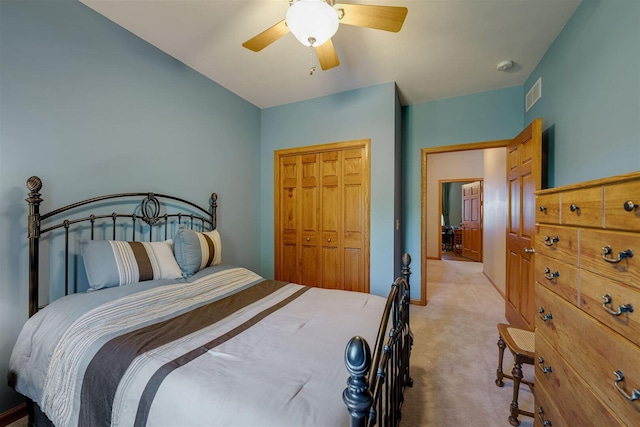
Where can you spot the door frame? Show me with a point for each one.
(424, 152)
(464, 181)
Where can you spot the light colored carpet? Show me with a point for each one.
(455, 355)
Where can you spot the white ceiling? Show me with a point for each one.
(446, 48)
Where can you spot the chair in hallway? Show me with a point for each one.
(521, 343)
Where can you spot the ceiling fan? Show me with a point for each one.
(314, 22)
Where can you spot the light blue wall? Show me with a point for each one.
(357, 114)
(479, 117)
(93, 109)
(590, 105)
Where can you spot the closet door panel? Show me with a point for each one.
(287, 269)
(310, 273)
(331, 277)
(353, 269)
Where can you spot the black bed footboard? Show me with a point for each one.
(375, 388)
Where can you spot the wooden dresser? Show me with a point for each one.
(587, 292)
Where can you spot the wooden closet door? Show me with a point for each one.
(354, 237)
(309, 274)
(287, 256)
(331, 218)
(322, 215)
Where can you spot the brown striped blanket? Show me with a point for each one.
(229, 348)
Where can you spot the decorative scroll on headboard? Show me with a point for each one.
(159, 212)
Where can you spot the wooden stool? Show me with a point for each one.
(521, 343)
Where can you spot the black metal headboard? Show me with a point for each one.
(151, 212)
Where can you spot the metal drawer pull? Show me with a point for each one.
(550, 241)
(549, 275)
(542, 209)
(621, 255)
(329, 240)
(542, 420)
(546, 317)
(308, 239)
(627, 308)
(629, 206)
(529, 250)
(574, 208)
(635, 394)
(544, 369)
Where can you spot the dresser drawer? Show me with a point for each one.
(548, 208)
(557, 276)
(594, 350)
(594, 288)
(627, 270)
(616, 198)
(582, 207)
(577, 404)
(557, 242)
(546, 411)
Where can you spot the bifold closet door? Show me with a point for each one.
(322, 217)
(355, 226)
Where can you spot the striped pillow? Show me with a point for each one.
(112, 263)
(195, 251)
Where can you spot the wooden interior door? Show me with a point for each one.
(472, 220)
(524, 176)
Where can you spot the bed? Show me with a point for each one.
(169, 334)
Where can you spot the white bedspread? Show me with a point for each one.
(277, 361)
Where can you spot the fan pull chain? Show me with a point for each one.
(313, 67)
(312, 41)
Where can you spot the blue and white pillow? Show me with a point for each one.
(195, 250)
(112, 263)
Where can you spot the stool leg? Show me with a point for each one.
(517, 376)
(499, 373)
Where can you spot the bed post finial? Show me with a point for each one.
(357, 396)
(214, 209)
(406, 271)
(34, 185)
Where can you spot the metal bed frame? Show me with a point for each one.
(374, 392)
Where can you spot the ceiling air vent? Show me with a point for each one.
(534, 94)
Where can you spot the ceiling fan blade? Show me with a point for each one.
(327, 55)
(388, 18)
(267, 37)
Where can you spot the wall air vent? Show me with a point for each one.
(534, 94)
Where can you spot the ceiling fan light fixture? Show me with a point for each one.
(312, 22)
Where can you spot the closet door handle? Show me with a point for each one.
(629, 206)
(606, 251)
(329, 239)
(626, 308)
(635, 394)
(574, 208)
(529, 250)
